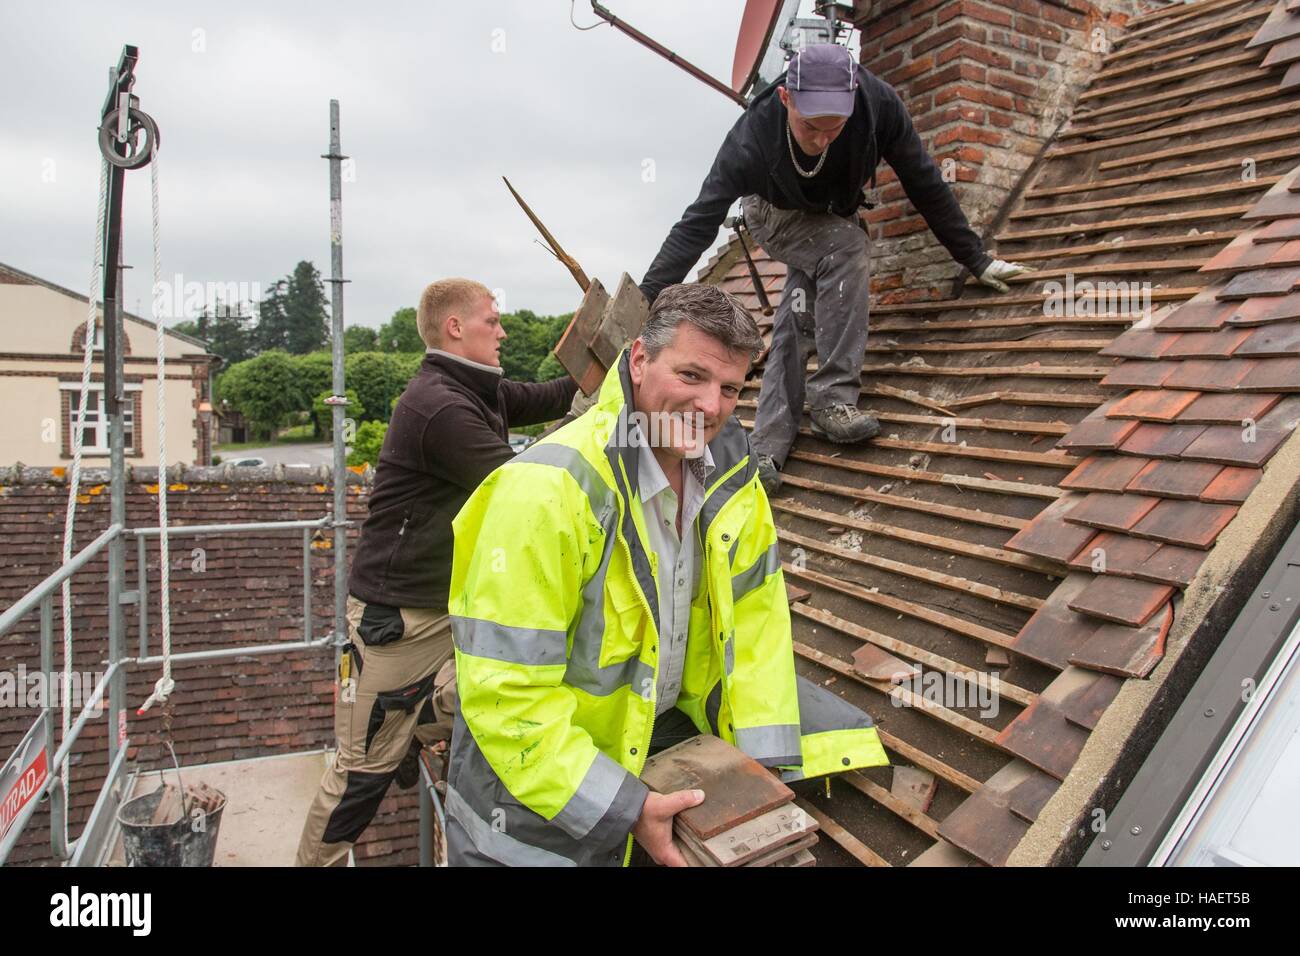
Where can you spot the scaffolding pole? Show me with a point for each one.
(338, 400)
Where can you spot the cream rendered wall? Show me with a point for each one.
(41, 321)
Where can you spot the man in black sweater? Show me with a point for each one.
(397, 676)
(800, 156)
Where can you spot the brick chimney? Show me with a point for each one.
(988, 83)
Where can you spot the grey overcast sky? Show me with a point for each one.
(439, 99)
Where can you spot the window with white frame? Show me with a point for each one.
(95, 439)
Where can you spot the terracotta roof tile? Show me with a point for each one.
(1048, 536)
(983, 825)
(1140, 344)
(1082, 696)
(1223, 408)
(1279, 230)
(1244, 285)
(1153, 404)
(1041, 736)
(1111, 553)
(1266, 310)
(1122, 600)
(1273, 374)
(1174, 479)
(1110, 512)
(1054, 631)
(1202, 312)
(1154, 440)
(1130, 374)
(1103, 473)
(1228, 445)
(1210, 375)
(1126, 651)
(1278, 340)
(1027, 799)
(1193, 524)
(1211, 345)
(1171, 565)
(1098, 434)
(1232, 486)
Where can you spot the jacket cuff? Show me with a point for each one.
(979, 265)
(606, 805)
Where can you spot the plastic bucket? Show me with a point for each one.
(187, 842)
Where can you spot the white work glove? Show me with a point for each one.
(998, 271)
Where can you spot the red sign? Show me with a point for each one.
(21, 781)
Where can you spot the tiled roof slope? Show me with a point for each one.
(1046, 484)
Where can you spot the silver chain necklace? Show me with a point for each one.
(789, 141)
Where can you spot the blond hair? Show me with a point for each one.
(441, 299)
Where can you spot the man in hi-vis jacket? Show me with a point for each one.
(615, 589)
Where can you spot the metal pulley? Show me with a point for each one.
(128, 136)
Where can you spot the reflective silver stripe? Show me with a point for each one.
(514, 645)
(497, 844)
(773, 744)
(592, 800)
(754, 576)
(599, 494)
(729, 655)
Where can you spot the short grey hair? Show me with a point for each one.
(706, 307)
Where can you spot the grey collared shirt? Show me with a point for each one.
(679, 561)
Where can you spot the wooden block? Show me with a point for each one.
(1103, 473)
(1174, 479)
(997, 658)
(1192, 524)
(914, 786)
(1101, 509)
(752, 839)
(168, 810)
(1153, 440)
(875, 664)
(794, 594)
(1126, 651)
(1122, 600)
(736, 787)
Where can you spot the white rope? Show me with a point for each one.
(162, 690)
(74, 481)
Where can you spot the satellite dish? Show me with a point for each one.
(771, 30)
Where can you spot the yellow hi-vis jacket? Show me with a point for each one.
(554, 607)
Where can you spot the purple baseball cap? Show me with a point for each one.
(823, 80)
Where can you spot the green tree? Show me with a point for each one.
(226, 329)
(367, 444)
(266, 389)
(400, 334)
(360, 338)
(307, 322)
(272, 330)
(530, 339)
(378, 378)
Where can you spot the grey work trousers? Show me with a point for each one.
(824, 309)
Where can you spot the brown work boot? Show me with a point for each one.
(845, 424)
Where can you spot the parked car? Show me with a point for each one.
(248, 462)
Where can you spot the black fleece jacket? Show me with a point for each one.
(448, 432)
(755, 159)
